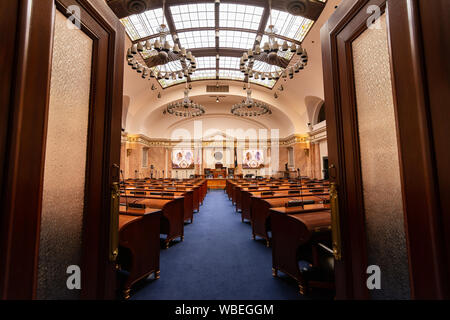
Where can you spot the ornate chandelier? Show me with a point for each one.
(268, 53)
(185, 108)
(160, 53)
(250, 107)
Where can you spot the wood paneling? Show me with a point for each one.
(418, 47)
(28, 83)
(419, 43)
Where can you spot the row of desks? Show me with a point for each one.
(294, 218)
(145, 214)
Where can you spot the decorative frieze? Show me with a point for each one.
(211, 143)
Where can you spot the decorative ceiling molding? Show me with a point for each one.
(207, 142)
(122, 8)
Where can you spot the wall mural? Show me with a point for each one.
(182, 159)
(253, 159)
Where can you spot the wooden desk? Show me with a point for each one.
(260, 217)
(136, 212)
(190, 201)
(247, 194)
(219, 173)
(139, 245)
(172, 220)
(295, 234)
(216, 183)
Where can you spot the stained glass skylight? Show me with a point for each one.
(204, 74)
(197, 39)
(261, 66)
(240, 16)
(229, 63)
(236, 39)
(290, 26)
(171, 66)
(143, 25)
(193, 15)
(231, 74)
(206, 63)
(195, 25)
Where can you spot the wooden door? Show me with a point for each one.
(379, 60)
(39, 75)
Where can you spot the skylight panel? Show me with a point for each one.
(206, 62)
(193, 15)
(229, 63)
(236, 39)
(294, 27)
(261, 66)
(143, 25)
(197, 39)
(204, 74)
(170, 66)
(240, 16)
(231, 74)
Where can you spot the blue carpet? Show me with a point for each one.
(217, 260)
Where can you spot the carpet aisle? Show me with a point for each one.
(217, 260)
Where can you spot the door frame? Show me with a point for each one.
(424, 217)
(27, 87)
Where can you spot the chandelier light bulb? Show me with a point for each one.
(157, 45)
(293, 48)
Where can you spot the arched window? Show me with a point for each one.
(322, 116)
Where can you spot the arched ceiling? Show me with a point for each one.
(217, 118)
(291, 112)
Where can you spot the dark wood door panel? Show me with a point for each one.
(23, 135)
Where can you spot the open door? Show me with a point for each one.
(60, 143)
(389, 220)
